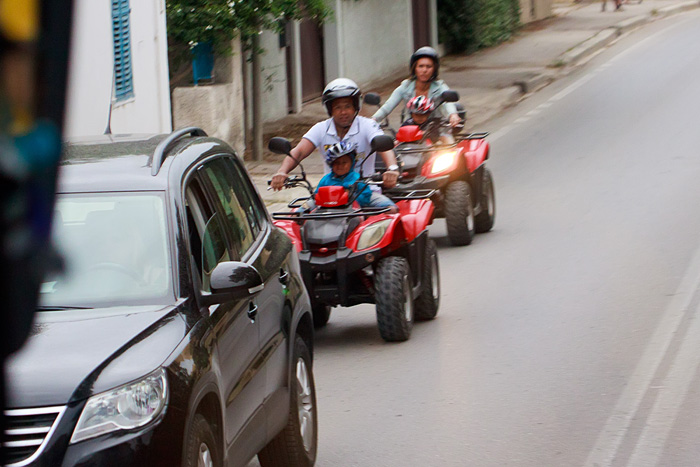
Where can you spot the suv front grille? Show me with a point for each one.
(26, 433)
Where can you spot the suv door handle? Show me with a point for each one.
(252, 311)
(284, 276)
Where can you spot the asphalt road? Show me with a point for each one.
(569, 335)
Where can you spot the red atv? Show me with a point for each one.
(464, 190)
(351, 255)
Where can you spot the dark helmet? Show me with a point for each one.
(341, 87)
(427, 52)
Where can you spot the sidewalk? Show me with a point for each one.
(493, 79)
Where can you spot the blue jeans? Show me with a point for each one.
(378, 200)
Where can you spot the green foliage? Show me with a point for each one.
(468, 25)
(219, 21)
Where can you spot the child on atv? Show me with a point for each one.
(420, 109)
(341, 158)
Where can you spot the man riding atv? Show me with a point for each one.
(342, 101)
(352, 253)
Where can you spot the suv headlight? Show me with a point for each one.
(373, 234)
(124, 408)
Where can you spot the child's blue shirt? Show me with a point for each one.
(346, 181)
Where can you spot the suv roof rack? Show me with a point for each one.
(167, 144)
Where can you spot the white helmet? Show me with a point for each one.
(341, 87)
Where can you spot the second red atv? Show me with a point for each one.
(351, 255)
(464, 189)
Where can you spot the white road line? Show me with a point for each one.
(671, 395)
(615, 430)
(572, 87)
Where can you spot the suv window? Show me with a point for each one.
(115, 246)
(232, 191)
(206, 234)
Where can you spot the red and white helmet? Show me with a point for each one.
(420, 105)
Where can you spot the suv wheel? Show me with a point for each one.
(296, 444)
(202, 450)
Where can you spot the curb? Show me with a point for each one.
(671, 10)
(590, 45)
(534, 83)
(629, 24)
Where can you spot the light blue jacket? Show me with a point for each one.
(407, 90)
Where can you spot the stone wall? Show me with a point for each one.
(217, 108)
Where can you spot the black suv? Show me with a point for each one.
(180, 332)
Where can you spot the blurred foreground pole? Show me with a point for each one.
(34, 45)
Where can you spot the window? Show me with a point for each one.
(206, 235)
(115, 247)
(230, 188)
(123, 79)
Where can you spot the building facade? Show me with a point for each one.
(118, 73)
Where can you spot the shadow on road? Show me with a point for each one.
(340, 333)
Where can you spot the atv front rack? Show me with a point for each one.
(480, 135)
(431, 148)
(399, 195)
(304, 216)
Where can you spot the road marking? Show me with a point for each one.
(671, 395)
(617, 425)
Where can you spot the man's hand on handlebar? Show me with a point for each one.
(455, 120)
(390, 177)
(278, 179)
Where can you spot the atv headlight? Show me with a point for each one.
(443, 161)
(124, 408)
(373, 234)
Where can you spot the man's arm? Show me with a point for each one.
(390, 177)
(300, 152)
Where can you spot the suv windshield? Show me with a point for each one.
(115, 250)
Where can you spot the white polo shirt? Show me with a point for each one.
(323, 135)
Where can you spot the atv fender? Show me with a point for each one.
(292, 230)
(416, 215)
(475, 152)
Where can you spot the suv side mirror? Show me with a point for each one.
(236, 278)
(449, 96)
(372, 98)
(381, 143)
(280, 145)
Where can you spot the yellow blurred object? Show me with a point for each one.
(19, 19)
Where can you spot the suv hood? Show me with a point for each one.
(67, 352)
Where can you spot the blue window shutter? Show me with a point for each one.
(123, 76)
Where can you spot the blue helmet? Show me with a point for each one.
(338, 150)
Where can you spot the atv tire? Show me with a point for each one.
(394, 299)
(428, 301)
(321, 313)
(459, 213)
(485, 219)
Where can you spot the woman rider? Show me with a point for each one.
(424, 66)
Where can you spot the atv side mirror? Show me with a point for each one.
(381, 143)
(449, 96)
(280, 145)
(372, 98)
